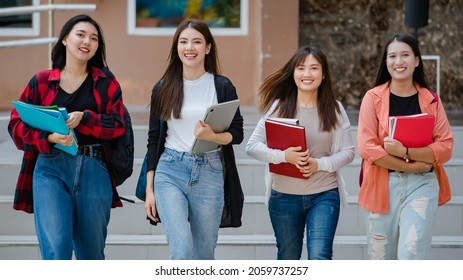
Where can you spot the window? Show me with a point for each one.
(19, 25)
(161, 17)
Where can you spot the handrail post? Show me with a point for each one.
(50, 32)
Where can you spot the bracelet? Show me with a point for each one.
(406, 156)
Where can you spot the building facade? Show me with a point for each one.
(269, 31)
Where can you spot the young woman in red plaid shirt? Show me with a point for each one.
(71, 195)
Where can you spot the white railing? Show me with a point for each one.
(28, 42)
(437, 59)
(45, 8)
(50, 8)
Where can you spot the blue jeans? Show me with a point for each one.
(72, 205)
(189, 198)
(318, 213)
(405, 231)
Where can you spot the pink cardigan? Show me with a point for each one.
(373, 127)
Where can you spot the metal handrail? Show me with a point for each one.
(437, 59)
(28, 42)
(46, 8)
(40, 8)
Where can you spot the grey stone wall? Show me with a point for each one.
(352, 32)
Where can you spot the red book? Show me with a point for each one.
(281, 135)
(413, 131)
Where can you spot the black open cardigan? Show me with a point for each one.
(233, 193)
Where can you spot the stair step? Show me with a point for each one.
(130, 219)
(229, 247)
(250, 239)
(250, 171)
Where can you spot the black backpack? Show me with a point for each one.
(119, 151)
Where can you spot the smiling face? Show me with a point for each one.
(401, 61)
(82, 42)
(192, 48)
(308, 75)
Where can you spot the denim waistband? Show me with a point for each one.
(217, 154)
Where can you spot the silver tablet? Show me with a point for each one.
(219, 117)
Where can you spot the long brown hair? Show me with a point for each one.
(280, 86)
(168, 99)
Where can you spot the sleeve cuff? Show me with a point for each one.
(85, 117)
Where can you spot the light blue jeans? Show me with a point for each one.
(317, 213)
(72, 205)
(404, 232)
(189, 198)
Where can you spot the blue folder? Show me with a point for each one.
(48, 118)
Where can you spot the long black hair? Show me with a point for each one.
(419, 75)
(58, 53)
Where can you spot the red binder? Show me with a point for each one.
(414, 131)
(281, 135)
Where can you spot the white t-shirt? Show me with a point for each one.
(198, 96)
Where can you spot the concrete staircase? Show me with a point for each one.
(131, 236)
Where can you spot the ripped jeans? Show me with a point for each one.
(405, 232)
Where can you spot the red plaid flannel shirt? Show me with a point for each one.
(42, 90)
